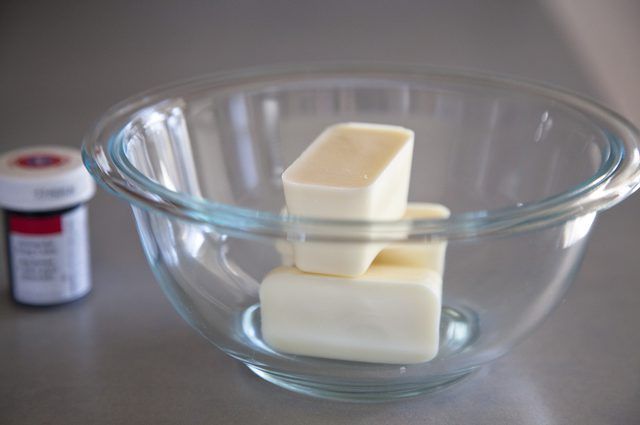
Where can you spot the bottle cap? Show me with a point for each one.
(42, 178)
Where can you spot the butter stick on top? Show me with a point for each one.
(354, 171)
(351, 171)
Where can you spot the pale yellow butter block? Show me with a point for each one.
(352, 171)
(430, 255)
(352, 257)
(339, 259)
(285, 249)
(391, 314)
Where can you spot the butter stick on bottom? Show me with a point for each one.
(391, 314)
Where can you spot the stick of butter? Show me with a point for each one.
(352, 171)
(422, 254)
(430, 255)
(391, 314)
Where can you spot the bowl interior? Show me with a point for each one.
(477, 148)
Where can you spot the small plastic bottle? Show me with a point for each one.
(43, 195)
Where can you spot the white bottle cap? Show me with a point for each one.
(43, 178)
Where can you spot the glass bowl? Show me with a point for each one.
(523, 168)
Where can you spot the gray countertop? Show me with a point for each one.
(122, 355)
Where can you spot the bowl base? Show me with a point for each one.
(458, 329)
(358, 394)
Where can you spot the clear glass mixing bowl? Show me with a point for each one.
(524, 169)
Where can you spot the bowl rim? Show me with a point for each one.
(105, 157)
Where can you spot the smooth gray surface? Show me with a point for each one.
(123, 355)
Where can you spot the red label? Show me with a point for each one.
(35, 225)
(41, 160)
